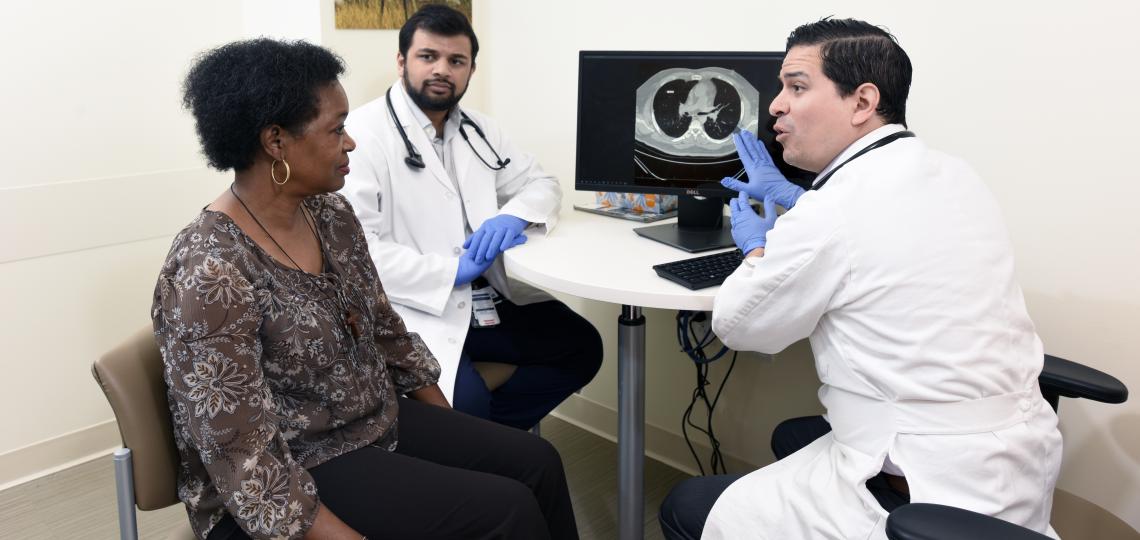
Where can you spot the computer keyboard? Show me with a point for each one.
(701, 272)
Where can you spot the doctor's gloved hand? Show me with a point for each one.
(469, 269)
(765, 181)
(495, 236)
(749, 230)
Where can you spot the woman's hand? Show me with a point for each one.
(329, 527)
(430, 394)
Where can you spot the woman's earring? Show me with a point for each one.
(273, 172)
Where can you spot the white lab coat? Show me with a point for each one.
(413, 218)
(900, 273)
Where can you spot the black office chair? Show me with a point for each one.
(923, 521)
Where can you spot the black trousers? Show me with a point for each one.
(556, 351)
(451, 476)
(685, 509)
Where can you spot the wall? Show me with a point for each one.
(1037, 96)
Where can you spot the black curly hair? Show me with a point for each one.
(239, 89)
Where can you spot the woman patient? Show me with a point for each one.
(284, 360)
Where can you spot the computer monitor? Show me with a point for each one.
(662, 122)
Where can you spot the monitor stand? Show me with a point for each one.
(700, 226)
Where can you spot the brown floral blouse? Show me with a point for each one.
(271, 370)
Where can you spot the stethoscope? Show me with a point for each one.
(416, 161)
(877, 144)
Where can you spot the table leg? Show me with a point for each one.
(631, 423)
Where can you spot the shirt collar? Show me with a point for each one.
(450, 125)
(855, 147)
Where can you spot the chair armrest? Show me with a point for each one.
(1072, 380)
(924, 521)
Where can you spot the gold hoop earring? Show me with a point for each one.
(273, 172)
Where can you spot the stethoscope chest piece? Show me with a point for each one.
(415, 162)
(414, 159)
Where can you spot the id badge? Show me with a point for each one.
(483, 312)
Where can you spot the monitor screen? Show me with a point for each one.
(662, 122)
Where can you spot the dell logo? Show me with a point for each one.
(691, 192)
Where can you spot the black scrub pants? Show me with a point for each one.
(686, 508)
(451, 476)
(556, 352)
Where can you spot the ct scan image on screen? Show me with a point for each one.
(683, 124)
(662, 122)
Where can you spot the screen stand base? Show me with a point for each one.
(700, 226)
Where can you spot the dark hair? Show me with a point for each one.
(438, 19)
(239, 89)
(855, 52)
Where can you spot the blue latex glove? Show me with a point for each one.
(495, 236)
(469, 269)
(765, 181)
(749, 230)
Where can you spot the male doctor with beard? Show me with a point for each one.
(441, 192)
(897, 267)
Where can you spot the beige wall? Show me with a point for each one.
(102, 168)
(1038, 96)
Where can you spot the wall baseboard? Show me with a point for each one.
(57, 453)
(664, 446)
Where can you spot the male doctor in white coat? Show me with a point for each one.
(897, 267)
(441, 193)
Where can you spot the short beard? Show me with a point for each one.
(427, 103)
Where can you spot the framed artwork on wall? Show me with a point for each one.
(386, 14)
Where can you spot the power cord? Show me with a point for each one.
(694, 345)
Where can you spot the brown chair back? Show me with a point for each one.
(131, 377)
(494, 374)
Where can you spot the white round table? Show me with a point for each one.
(602, 258)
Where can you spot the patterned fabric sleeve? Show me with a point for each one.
(207, 322)
(409, 361)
